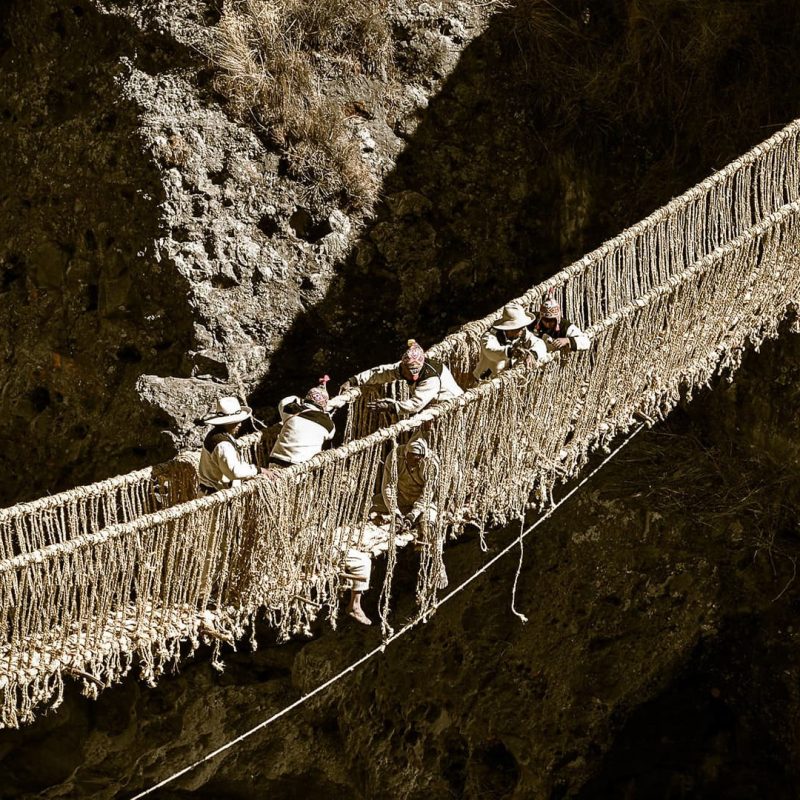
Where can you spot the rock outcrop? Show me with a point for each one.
(154, 252)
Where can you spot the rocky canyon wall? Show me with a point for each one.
(156, 250)
(659, 659)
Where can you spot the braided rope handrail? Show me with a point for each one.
(665, 212)
(394, 431)
(275, 544)
(698, 268)
(95, 489)
(471, 331)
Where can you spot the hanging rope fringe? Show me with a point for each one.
(391, 639)
(95, 580)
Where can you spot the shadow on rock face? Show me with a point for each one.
(474, 704)
(85, 305)
(707, 735)
(555, 130)
(654, 663)
(558, 126)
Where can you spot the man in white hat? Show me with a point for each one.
(417, 470)
(555, 331)
(306, 425)
(508, 342)
(220, 464)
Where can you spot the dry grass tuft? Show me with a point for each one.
(274, 57)
(326, 159)
(280, 61)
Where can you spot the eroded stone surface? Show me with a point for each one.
(148, 235)
(149, 252)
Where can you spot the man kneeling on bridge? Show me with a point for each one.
(306, 426)
(507, 343)
(417, 469)
(557, 332)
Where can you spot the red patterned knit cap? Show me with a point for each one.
(319, 394)
(550, 309)
(414, 356)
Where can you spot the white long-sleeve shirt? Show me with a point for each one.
(578, 340)
(221, 466)
(435, 384)
(495, 351)
(305, 429)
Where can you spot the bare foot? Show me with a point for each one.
(443, 582)
(357, 613)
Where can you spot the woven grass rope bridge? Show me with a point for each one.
(122, 574)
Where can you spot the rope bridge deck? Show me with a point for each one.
(125, 571)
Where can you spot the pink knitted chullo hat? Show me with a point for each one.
(414, 356)
(550, 309)
(319, 394)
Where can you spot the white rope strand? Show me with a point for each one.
(522, 617)
(668, 304)
(405, 629)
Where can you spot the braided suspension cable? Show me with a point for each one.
(99, 577)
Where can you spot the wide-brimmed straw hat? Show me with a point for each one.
(514, 317)
(228, 410)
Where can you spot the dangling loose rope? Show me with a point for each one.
(520, 540)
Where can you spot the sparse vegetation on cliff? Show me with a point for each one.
(282, 63)
(274, 58)
(647, 77)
